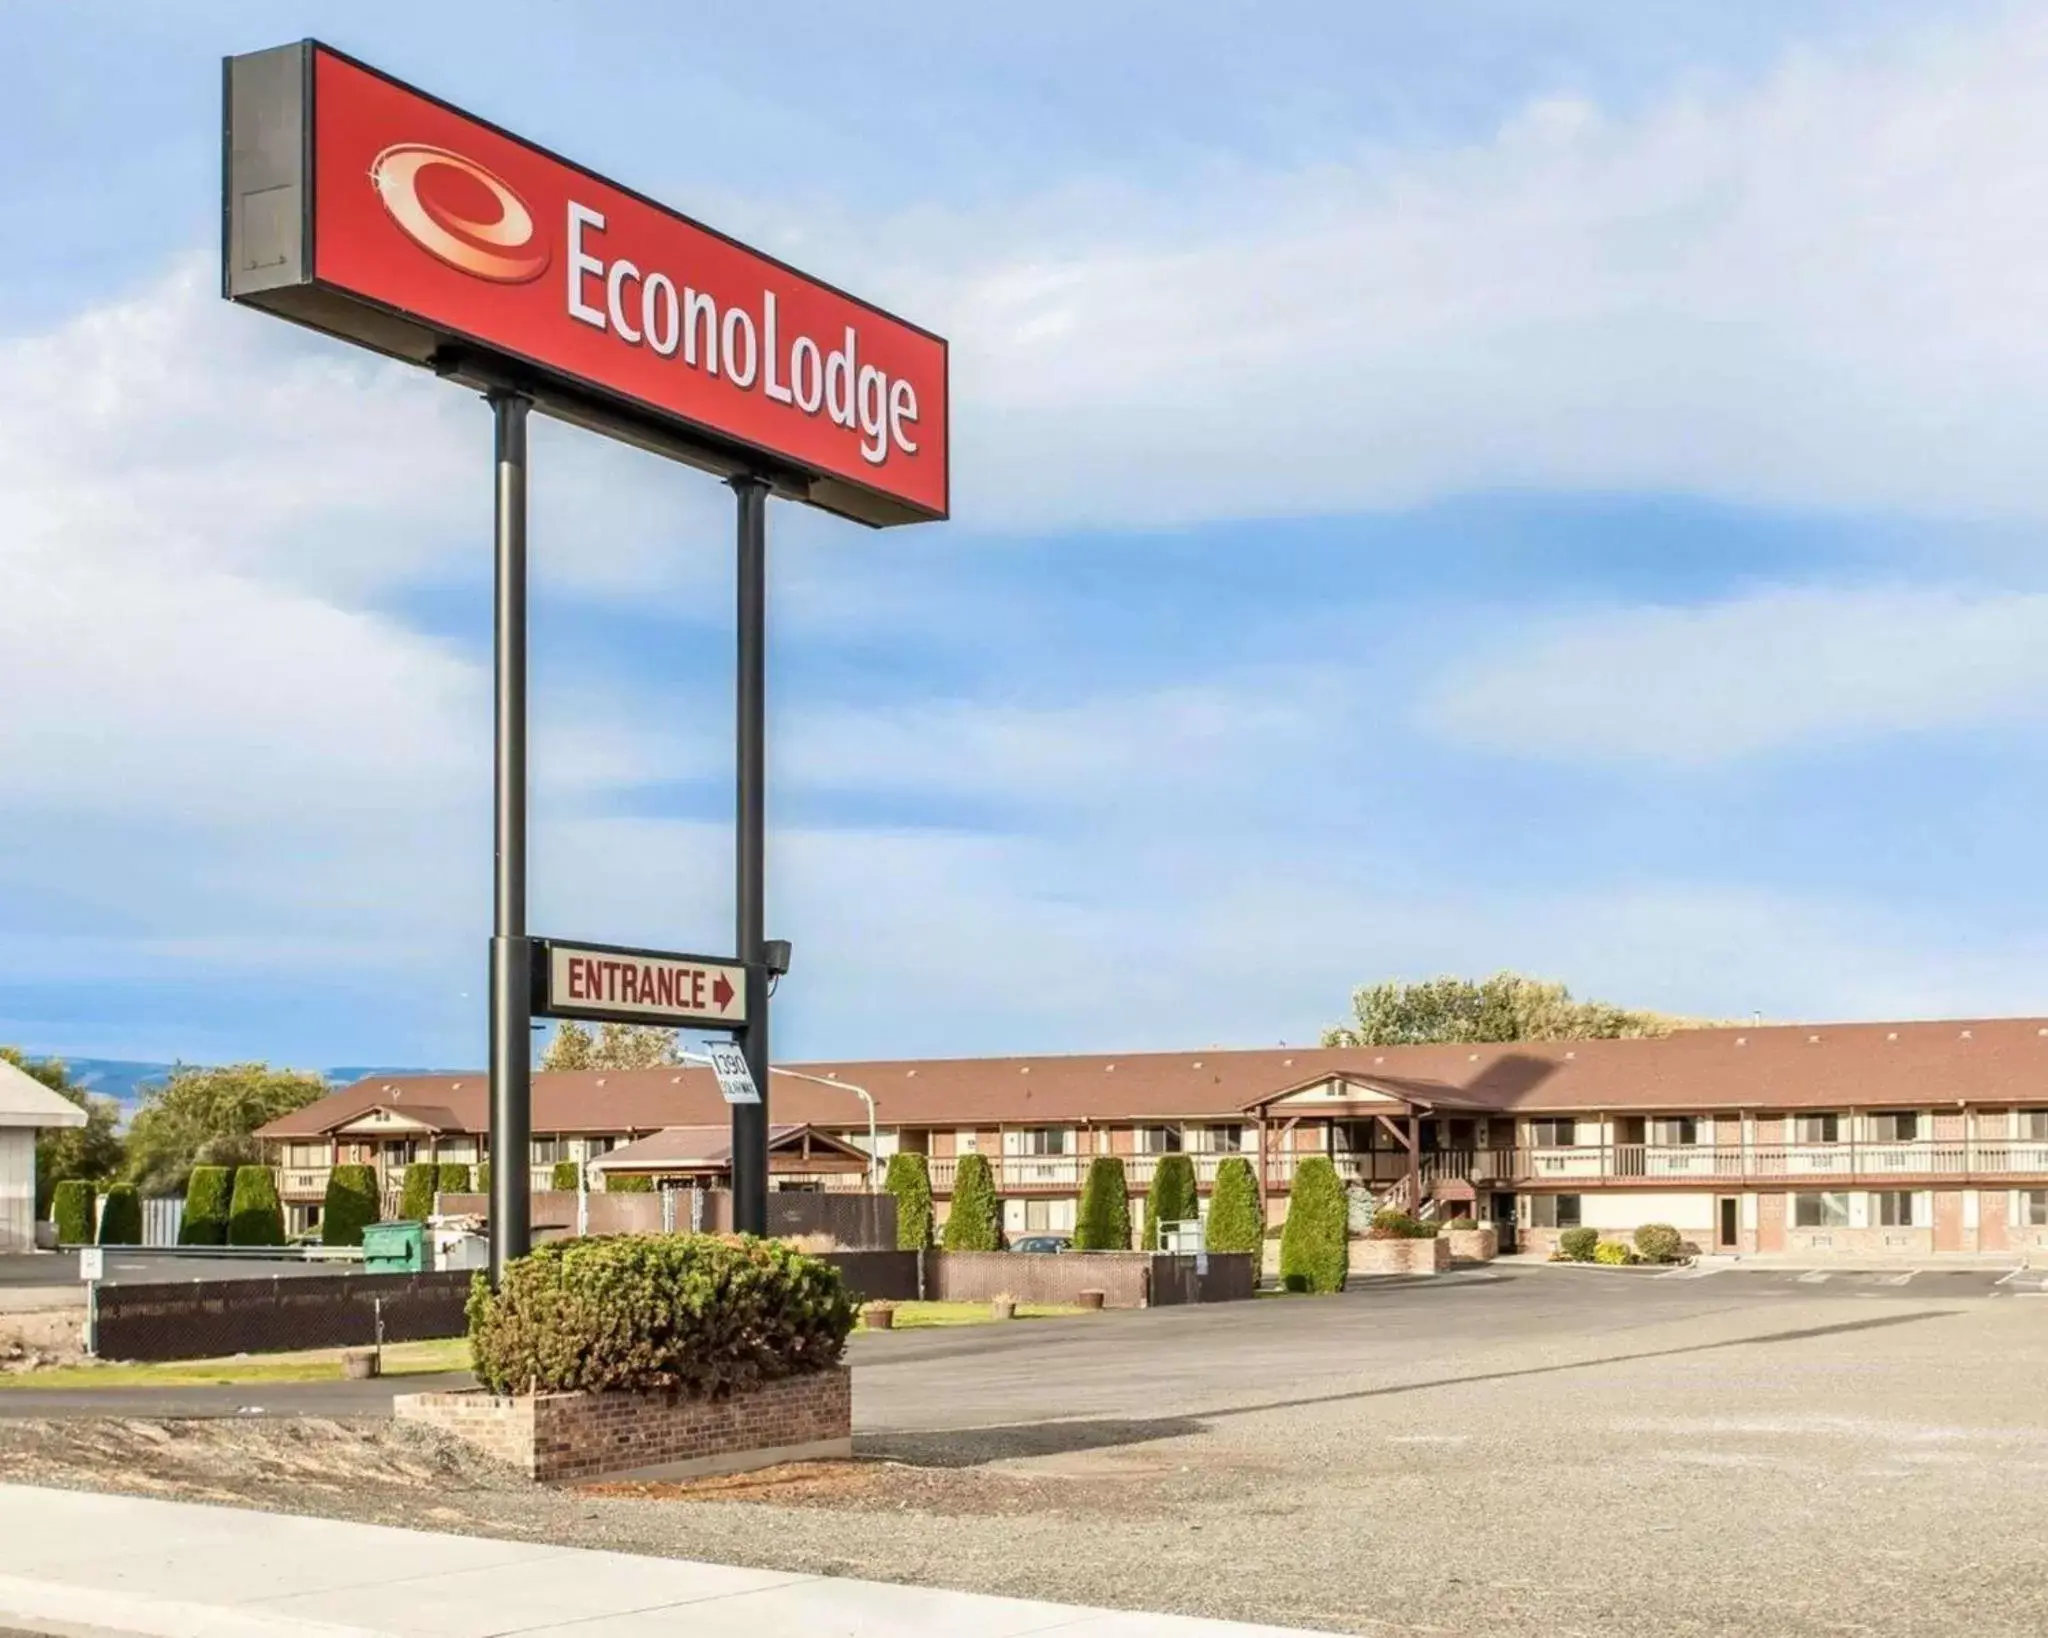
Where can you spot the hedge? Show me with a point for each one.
(910, 1180)
(121, 1217)
(71, 1209)
(416, 1192)
(1314, 1254)
(207, 1192)
(567, 1177)
(1461, 1224)
(1103, 1221)
(1613, 1253)
(483, 1177)
(628, 1183)
(975, 1223)
(255, 1218)
(352, 1204)
(1659, 1243)
(1171, 1199)
(696, 1313)
(1398, 1225)
(1236, 1222)
(1577, 1244)
(453, 1177)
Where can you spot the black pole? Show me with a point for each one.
(511, 988)
(750, 1120)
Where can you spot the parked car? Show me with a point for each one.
(1042, 1243)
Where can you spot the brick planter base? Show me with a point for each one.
(573, 1436)
(1479, 1245)
(1400, 1256)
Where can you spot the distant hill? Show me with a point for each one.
(125, 1079)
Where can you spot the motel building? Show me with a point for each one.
(1820, 1141)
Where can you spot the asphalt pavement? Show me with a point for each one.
(155, 1266)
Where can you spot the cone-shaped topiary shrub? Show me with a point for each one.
(71, 1209)
(1236, 1222)
(976, 1222)
(483, 1177)
(255, 1218)
(207, 1192)
(453, 1178)
(910, 1181)
(1313, 1252)
(567, 1176)
(1103, 1222)
(121, 1217)
(416, 1192)
(1172, 1197)
(352, 1204)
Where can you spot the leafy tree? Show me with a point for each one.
(568, 1175)
(208, 1117)
(1235, 1221)
(614, 1046)
(207, 1194)
(255, 1219)
(453, 1178)
(1314, 1255)
(121, 1217)
(1172, 1197)
(94, 1150)
(628, 1183)
(975, 1223)
(352, 1204)
(1103, 1222)
(910, 1181)
(1505, 1007)
(416, 1191)
(71, 1205)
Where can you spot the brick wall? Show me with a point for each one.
(554, 1437)
(1430, 1256)
(975, 1276)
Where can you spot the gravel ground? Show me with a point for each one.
(1794, 1467)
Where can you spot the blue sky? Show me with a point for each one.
(1531, 485)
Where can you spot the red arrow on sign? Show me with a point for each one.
(722, 991)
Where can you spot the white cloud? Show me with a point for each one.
(1761, 673)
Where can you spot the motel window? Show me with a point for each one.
(2033, 1212)
(1554, 1211)
(1818, 1129)
(1044, 1140)
(1896, 1126)
(1895, 1208)
(1552, 1134)
(1820, 1211)
(548, 1150)
(1159, 1140)
(1221, 1140)
(306, 1156)
(2033, 1125)
(1675, 1129)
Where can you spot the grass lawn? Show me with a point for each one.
(914, 1316)
(314, 1365)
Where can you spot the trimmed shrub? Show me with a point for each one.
(1398, 1225)
(416, 1192)
(1461, 1224)
(695, 1313)
(1103, 1220)
(1236, 1220)
(453, 1178)
(1313, 1252)
(121, 1217)
(1659, 1243)
(71, 1209)
(568, 1176)
(205, 1222)
(628, 1183)
(976, 1221)
(483, 1177)
(1171, 1199)
(1613, 1253)
(910, 1180)
(352, 1204)
(255, 1218)
(1576, 1244)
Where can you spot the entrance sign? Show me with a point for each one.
(600, 982)
(362, 207)
(735, 1080)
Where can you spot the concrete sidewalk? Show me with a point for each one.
(78, 1563)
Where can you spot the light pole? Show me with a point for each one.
(864, 1094)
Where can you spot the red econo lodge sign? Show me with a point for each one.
(370, 210)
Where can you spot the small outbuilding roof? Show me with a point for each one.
(25, 1101)
(709, 1149)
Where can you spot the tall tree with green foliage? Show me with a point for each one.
(255, 1218)
(1172, 1197)
(909, 1179)
(1103, 1222)
(416, 1191)
(1314, 1251)
(121, 1217)
(1505, 1007)
(208, 1193)
(976, 1221)
(352, 1205)
(1235, 1221)
(208, 1117)
(613, 1046)
(567, 1176)
(72, 1206)
(93, 1151)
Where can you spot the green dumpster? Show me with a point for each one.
(394, 1248)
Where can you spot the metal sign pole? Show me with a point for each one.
(750, 1120)
(511, 954)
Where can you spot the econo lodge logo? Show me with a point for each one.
(457, 211)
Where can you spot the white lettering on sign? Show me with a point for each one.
(655, 987)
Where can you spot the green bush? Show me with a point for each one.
(453, 1178)
(205, 1222)
(71, 1209)
(1171, 1199)
(628, 1183)
(1576, 1244)
(1398, 1225)
(976, 1221)
(1463, 1225)
(352, 1204)
(1237, 1222)
(483, 1177)
(1659, 1243)
(1103, 1221)
(416, 1191)
(121, 1217)
(255, 1218)
(1613, 1253)
(1314, 1255)
(697, 1313)
(568, 1176)
(910, 1181)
